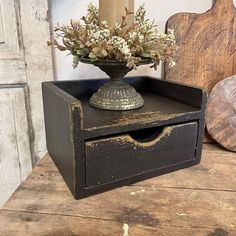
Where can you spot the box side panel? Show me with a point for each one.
(59, 134)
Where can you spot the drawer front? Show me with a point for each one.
(115, 158)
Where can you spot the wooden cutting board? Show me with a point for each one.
(207, 45)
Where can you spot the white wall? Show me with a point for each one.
(160, 10)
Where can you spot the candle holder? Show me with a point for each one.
(116, 94)
(115, 50)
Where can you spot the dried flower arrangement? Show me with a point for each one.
(90, 39)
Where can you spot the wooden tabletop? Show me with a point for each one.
(200, 200)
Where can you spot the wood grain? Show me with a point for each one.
(213, 173)
(15, 156)
(145, 206)
(38, 61)
(13, 70)
(27, 224)
(187, 205)
(11, 45)
(2, 38)
(25, 61)
(207, 45)
(221, 113)
(217, 166)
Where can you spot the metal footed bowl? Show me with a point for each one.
(116, 94)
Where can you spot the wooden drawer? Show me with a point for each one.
(122, 156)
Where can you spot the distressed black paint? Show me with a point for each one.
(84, 142)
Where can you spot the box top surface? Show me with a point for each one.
(156, 110)
(164, 104)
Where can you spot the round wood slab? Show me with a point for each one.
(221, 113)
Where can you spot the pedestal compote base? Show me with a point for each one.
(116, 94)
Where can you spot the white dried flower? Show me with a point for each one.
(172, 64)
(104, 24)
(170, 36)
(100, 35)
(92, 13)
(92, 8)
(93, 28)
(132, 35)
(120, 44)
(138, 17)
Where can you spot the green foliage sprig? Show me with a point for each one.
(87, 38)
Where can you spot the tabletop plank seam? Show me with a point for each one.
(183, 188)
(54, 214)
(158, 187)
(116, 221)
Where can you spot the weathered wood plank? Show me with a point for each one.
(27, 224)
(21, 20)
(215, 172)
(12, 71)
(11, 39)
(39, 65)
(164, 206)
(45, 192)
(15, 157)
(2, 39)
(44, 199)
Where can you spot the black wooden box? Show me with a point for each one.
(97, 150)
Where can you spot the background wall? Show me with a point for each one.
(160, 10)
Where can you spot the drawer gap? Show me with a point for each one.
(132, 132)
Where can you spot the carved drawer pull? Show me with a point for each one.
(153, 136)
